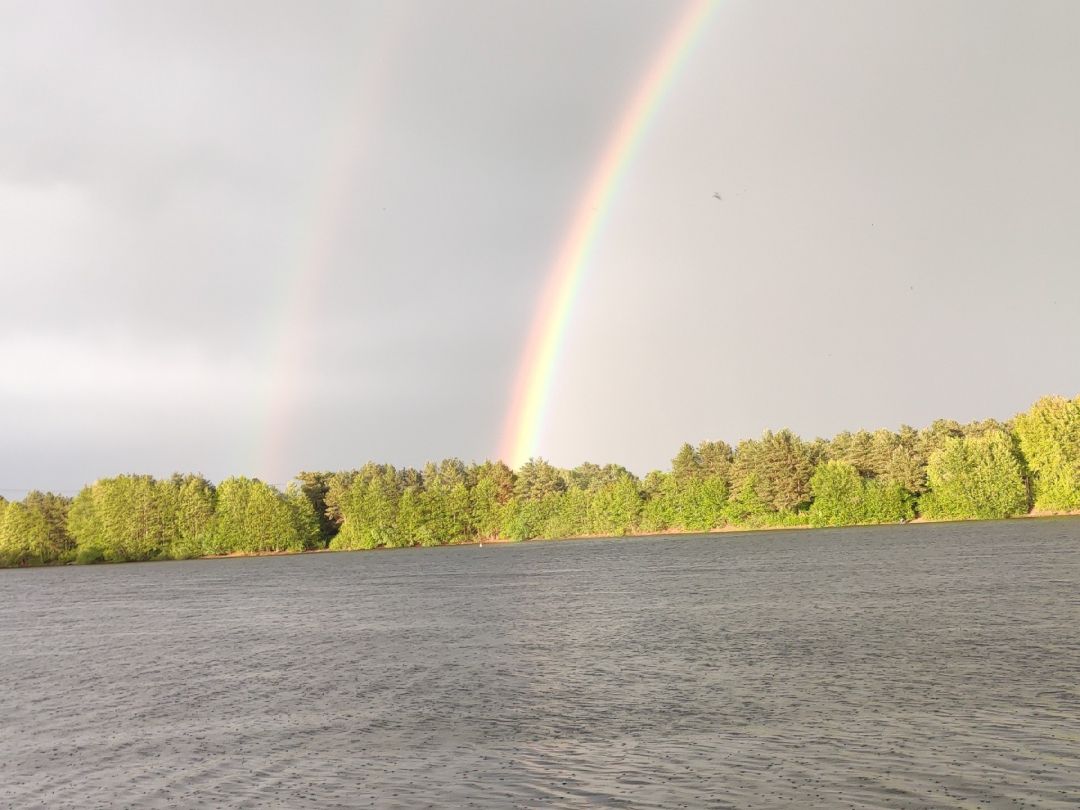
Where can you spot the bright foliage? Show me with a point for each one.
(843, 497)
(948, 471)
(975, 477)
(1049, 436)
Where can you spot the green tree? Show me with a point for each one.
(500, 475)
(493, 489)
(907, 469)
(842, 497)
(694, 504)
(592, 477)
(524, 519)
(748, 506)
(658, 512)
(338, 487)
(305, 520)
(34, 531)
(933, 438)
(228, 533)
(837, 488)
(447, 506)
(194, 503)
(1049, 438)
(715, 460)
(777, 468)
(315, 486)
(440, 506)
(855, 449)
(269, 522)
(686, 465)
(568, 514)
(253, 517)
(411, 526)
(699, 504)
(615, 508)
(976, 477)
(54, 509)
(446, 475)
(22, 536)
(129, 517)
(368, 509)
(537, 480)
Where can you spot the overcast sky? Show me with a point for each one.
(254, 238)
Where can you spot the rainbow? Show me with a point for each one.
(291, 322)
(525, 418)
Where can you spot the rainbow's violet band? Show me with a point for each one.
(525, 418)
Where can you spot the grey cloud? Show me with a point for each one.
(897, 183)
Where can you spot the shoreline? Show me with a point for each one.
(672, 532)
(1033, 515)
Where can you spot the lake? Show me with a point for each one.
(902, 666)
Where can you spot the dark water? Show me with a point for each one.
(911, 666)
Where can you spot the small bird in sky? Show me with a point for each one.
(717, 195)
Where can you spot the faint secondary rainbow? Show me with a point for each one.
(532, 390)
(324, 209)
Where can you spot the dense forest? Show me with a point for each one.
(947, 471)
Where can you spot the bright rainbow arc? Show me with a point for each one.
(532, 391)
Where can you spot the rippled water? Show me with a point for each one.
(904, 666)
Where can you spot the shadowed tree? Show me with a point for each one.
(315, 486)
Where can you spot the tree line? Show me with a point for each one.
(947, 471)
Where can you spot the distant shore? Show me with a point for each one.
(500, 541)
(1027, 466)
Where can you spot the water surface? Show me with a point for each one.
(908, 666)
